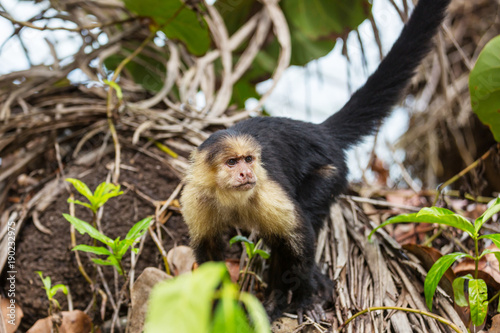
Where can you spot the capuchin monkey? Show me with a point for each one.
(279, 176)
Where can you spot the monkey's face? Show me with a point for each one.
(236, 162)
(238, 173)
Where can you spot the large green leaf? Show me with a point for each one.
(478, 300)
(320, 19)
(176, 20)
(305, 49)
(436, 273)
(176, 302)
(229, 316)
(235, 13)
(256, 313)
(458, 290)
(432, 215)
(484, 86)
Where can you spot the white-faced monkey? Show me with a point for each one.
(279, 176)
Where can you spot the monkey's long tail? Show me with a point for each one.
(361, 115)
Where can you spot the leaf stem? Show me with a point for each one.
(424, 313)
(476, 257)
(464, 171)
(494, 297)
(112, 129)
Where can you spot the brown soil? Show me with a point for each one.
(52, 254)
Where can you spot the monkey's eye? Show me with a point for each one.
(249, 159)
(231, 162)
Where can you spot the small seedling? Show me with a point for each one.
(250, 247)
(252, 251)
(102, 194)
(477, 290)
(51, 291)
(118, 247)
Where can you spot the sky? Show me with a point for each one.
(309, 93)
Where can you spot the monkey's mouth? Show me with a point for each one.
(245, 186)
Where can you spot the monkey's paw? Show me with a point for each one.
(313, 310)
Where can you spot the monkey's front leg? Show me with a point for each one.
(292, 273)
(209, 249)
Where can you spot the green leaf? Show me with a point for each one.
(194, 294)
(235, 12)
(56, 288)
(256, 313)
(85, 228)
(321, 19)
(495, 238)
(239, 238)
(138, 229)
(484, 86)
(102, 262)
(92, 249)
(432, 215)
(497, 255)
(122, 248)
(250, 248)
(229, 316)
(78, 202)
(177, 21)
(436, 273)
(104, 192)
(495, 208)
(478, 299)
(81, 187)
(46, 281)
(458, 290)
(485, 252)
(263, 254)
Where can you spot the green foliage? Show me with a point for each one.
(176, 20)
(436, 273)
(325, 18)
(50, 290)
(478, 299)
(484, 86)
(432, 215)
(458, 290)
(186, 304)
(250, 247)
(118, 247)
(102, 194)
(477, 291)
(314, 29)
